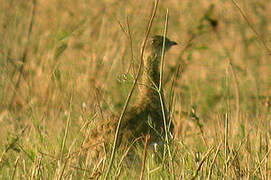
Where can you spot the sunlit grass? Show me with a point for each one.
(71, 68)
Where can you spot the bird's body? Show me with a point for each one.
(145, 117)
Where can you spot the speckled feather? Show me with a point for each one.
(136, 121)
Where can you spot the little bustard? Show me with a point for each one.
(145, 117)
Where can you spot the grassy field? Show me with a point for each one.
(65, 64)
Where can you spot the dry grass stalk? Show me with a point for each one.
(147, 141)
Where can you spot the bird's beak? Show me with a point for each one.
(173, 43)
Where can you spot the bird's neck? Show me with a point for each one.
(150, 80)
(151, 76)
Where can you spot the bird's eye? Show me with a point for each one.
(152, 41)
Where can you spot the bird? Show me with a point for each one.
(145, 116)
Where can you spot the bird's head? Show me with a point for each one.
(155, 44)
(153, 50)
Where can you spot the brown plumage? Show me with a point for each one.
(136, 121)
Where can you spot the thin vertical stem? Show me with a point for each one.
(131, 91)
(24, 57)
(66, 130)
(160, 91)
(266, 148)
(15, 167)
(226, 141)
(147, 141)
(236, 85)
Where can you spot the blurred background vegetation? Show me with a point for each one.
(63, 63)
